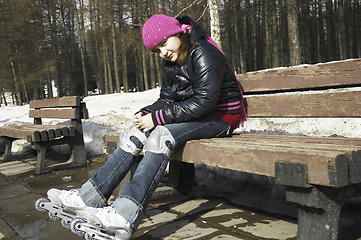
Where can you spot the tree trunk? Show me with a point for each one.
(124, 62)
(21, 76)
(66, 49)
(80, 20)
(159, 70)
(152, 71)
(125, 72)
(254, 36)
(275, 36)
(3, 96)
(115, 59)
(341, 33)
(105, 67)
(109, 71)
(55, 50)
(267, 22)
(98, 49)
(214, 21)
(145, 72)
(16, 81)
(330, 30)
(293, 33)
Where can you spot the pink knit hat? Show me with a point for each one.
(158, 28)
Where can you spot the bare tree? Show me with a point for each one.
(293, 33)
(214, 22)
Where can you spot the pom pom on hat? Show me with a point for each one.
(158, 28)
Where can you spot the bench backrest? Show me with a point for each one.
(299, 91)
(62, 108)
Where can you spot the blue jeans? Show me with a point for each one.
(136, 196)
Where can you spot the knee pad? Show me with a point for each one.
(126, 143)
(160, 141)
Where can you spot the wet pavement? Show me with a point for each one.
(170, 215)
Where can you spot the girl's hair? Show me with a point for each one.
(186, 46)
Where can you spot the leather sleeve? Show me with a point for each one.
(208, 67)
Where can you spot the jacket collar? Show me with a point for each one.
(197, 31)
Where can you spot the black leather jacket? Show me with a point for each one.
(193, 90)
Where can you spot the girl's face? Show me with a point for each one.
(169, 49)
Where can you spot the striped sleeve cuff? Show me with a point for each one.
(158, 118)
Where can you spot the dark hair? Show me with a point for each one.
(186, 46)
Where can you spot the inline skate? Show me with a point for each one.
(62, 205)
(102, 224)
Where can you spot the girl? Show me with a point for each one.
(200, 98)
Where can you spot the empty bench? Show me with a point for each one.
(319, 173)
(42, 137)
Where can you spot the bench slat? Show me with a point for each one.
(349, 146)
(341, 104)
(17, 132)
(348, 149)
(72, 101)
(308, 139)
(55, 113)
(333, 74)
(37, 133)
(328, 168)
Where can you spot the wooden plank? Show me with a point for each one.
(300, 141)
(341, 104)
(351, 146)
(308, 139)
(58, 133)
(44, 136)
(347, 149)
(72, 113)
(328, 168)
(71, 131)
(18, 133)
(332, 74)
(37, 133)
(72, 101)
(65, 131)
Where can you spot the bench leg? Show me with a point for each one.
(78, 155)
(77, 158)
(319, 210)
(8, 144)
(40, 161)
(181, 175)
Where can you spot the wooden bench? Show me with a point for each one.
(319, 173)
(44, 136)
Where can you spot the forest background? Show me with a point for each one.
(54, 48)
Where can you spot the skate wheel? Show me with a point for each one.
(53, 216)
(88, 236)
(39, 204)
(66, 224)
(76, 225)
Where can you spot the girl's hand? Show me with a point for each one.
(143, 123)
(136, 117)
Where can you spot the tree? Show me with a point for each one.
(81, 33)
(214, 22)
(293, 33)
